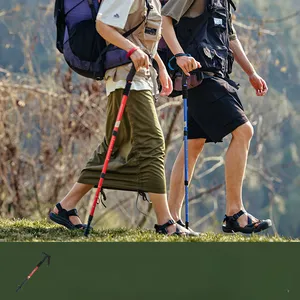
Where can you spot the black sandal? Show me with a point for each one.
(62, 218)
(162, 229)
(232, 225)
(192, 232)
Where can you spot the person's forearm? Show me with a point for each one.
(241, 57)
(112, 36)
(170, 36)
(159, 62)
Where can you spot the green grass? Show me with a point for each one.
(43, 231)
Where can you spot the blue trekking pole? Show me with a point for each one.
(185, 139)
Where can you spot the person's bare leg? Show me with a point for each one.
(176, 196)
(72, 198)
(235, 166)
(161, 208)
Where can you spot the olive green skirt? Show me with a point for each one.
(137, 161)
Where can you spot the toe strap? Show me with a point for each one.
(253, 224)
(82, 226)
(179, 231)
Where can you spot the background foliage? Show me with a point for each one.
(51, 120)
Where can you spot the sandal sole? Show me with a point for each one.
(61, 221)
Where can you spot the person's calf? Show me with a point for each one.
(235, 165)
(195, 147)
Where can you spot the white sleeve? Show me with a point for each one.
(115, 12)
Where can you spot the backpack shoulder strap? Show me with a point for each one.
(93, 9)
(129, 32)
(232, 4)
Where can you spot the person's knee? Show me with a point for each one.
(195, 146)
(244, 132)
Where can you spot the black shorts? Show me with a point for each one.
(214, 110)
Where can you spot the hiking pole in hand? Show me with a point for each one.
(34, 270)
(111, 146)
(185, 140)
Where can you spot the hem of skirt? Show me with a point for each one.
(122, 188)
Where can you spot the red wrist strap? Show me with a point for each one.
(130, 52)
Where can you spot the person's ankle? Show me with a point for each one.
(234, 210)
(175, 215)
(67, 205)
(164, 220)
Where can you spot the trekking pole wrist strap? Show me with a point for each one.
(131, 51)
(174, 57)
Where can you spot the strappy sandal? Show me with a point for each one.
(63, 218)
(162, 229)
(192, 232)
(232, 225)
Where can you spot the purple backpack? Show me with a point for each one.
(77, 39)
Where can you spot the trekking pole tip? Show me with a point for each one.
(88, 227)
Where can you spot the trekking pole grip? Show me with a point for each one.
(129, 80)
(184, 86)
(131, 74)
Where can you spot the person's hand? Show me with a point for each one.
(140, 59)
(166, 82)
(258, 84)
(187, 64)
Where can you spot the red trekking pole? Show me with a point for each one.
(46, 257)
(111, 146)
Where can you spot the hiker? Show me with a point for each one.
(215, 109)
(137, 162)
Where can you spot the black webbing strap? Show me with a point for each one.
(93, 10)
(237, 215)
(163, 228)
(129, 32)
(232, 4)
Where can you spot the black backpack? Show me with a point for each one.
(186, 31)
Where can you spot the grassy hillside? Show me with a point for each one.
(43, 231)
